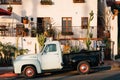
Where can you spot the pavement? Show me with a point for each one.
(7, 72)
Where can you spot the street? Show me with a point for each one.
(97, 74)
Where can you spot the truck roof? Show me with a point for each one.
(51, 42)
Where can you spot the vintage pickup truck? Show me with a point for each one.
(51, 59)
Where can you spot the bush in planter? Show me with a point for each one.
(49, 32)
(107, 51)
(75, 49)
(33, 32)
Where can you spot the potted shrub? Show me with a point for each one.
(25, 20)
(107, 49)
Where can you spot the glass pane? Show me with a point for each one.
(52, 47)
(64, 23)
(69, 23)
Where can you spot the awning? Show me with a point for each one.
(4, 12)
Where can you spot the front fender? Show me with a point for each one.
(18, 64)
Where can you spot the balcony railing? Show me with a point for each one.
(15, 29)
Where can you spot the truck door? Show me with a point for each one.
(50, 58)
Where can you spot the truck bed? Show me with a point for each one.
(93, 57)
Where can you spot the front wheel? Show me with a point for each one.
(83, 67)
(29, 72)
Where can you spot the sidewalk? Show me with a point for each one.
(114, 64)
(6, 72)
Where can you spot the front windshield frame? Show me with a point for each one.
(42, 48)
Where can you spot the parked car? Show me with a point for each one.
(51, 59)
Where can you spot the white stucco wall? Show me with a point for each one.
(113, 27)
(23, 43)
(114, 35)
(60, 8)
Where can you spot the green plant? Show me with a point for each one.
(106, 41)
(33, 32)
(50, 32)
(89, 34)
(26, 18)
(75, 49)
(41, 39)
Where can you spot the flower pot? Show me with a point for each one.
(9, 9)
(117, 2)
(107, 34)
(25, 21)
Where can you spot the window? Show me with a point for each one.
(78, 1)
(46, 2)
(10, 1)
(67, 25)
(50, 48)
(84, 22)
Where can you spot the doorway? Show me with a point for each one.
(42, 24)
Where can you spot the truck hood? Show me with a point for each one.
(27, 56)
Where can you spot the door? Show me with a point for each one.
(50, 58)
(42, 24)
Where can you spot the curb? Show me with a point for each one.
(115, 65)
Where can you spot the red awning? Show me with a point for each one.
(4, 12)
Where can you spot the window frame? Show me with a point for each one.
(14, 2)
(84, 22)
(67, 29)
(78, 1)
(48, 47)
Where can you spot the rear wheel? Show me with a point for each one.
(83, 67)
(29, 72)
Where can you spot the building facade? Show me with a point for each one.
(68, 18)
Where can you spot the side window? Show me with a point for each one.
(50, 48)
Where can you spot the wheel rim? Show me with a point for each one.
(29, 72)
(84, 68)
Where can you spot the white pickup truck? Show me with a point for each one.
(51, 59)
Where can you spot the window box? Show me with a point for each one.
(78, 1)
(16, 2)
(46, 2)
(67, 33)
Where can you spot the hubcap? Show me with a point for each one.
(29, 72)
(84, 68)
